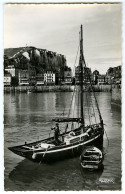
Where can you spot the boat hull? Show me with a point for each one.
(92, 167)
(60, 153)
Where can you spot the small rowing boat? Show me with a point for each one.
(91, 158)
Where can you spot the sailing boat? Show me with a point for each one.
(71, 142)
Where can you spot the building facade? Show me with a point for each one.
(49, 78)
(87, 75)
(32, 75)
(23, 78)
(12, 70)
(95, 76)
(114, 75)
(40, 79)
(7, 79)
(101, 79)
(68, 77)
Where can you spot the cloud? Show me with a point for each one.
(56, 28)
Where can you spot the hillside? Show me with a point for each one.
(41, 59)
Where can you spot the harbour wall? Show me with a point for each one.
(63, 88)
(116, 97)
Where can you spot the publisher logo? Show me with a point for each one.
(106, 180)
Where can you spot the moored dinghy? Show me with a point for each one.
(92, 158)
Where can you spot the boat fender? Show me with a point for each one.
(89, 130)
(71, 133)
(34, 156)
(87, 134)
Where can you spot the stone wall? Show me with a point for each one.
(64, 88)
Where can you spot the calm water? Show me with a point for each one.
(27, 118)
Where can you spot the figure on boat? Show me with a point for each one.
(56, 133)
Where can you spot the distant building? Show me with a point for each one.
(49, 78)
(7, 79)
(95, 76)
(77, 75)
(68, 77)
(87, 76)
(101, 79)
(107, 80)
(40, 79)
(114, 75)
(32, 75)
(23, 78)
(12, 70)
(117, 74)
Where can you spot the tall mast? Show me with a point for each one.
(81, 62)
(81, 74)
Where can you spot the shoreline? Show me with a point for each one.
(55, 88)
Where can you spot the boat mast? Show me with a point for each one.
(81, 62)
(81, 75)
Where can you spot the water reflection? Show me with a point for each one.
(50, 176)
(91, 178)
(56, 176)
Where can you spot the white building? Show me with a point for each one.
(12, 70)
(7, 80)
(49, 78)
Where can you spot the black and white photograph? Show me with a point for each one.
(62, 87)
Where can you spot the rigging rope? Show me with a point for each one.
(93, 92)
(83, 60)
(88, 111)
(108, 142)
(63, 111)
(76, 57)
(78, 106)
(71, 102)
(73, 115)
(94, 113)
(75, 84)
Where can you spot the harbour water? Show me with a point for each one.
(27, 117)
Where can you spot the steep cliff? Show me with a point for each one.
(41, 59)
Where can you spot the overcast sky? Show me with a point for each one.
(56, 28)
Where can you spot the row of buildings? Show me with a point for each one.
(24, 77)
(112, 76)
(33, 66)
(15, 76)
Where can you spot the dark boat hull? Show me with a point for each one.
(93, 168)
(60, 153)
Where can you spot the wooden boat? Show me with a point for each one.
(91, 158)
(71, 141)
